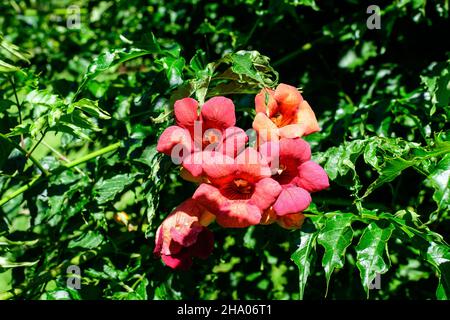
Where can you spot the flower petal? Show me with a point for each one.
(307, 119)
(206, 218)
(193, 164)
(175, 136)
(185, 111)
(267, 130)
(183, 237)
(204, 245)
(240, 214)
(292, 200)
(312, 177)
(291, 131)
(269, 108)
(229, 213)
(188, 176)
(219, 113)
(180, 228)
(211, 198)
(266, 193)
(218, 168)
(234, 140)
(251, 165)
(298, 149)
(180, 261)
(270, 151)
(159, 240)
(291, 221)
(288, 98)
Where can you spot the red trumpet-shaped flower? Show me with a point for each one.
(283, 113)
(183, 235)
(210, 129)
(297, 175)
(239, 190)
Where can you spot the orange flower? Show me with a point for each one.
(283, 113)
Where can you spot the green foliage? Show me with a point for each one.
(370, 251)
(335, 237)
(304, 257)
(81, 109)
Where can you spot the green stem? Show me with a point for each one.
(62, 157)
(93, 155)
(69, 165)
(26, 154)
(21, 190)
(293, 54)
(252, 31)
(19, 105)
(37, 143)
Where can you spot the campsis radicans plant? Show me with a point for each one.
(238, 185)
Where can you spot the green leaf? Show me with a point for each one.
(249, 240)
(393, 167)
(5, 150)
(174, 69)
(339, 158)
(370, 154)
(166, 291)
(61, 294)
(90, 107)
(306, 3)
(6, 67)
(340, 161)
(6, 263)
(139, 294)
(90, 240)
(304, 257)
(440, 179)
(155, 181)
(42, 97)
(141, 290)
(439, 256)
(438, 86)
(3, 226)
(242, 65)
(198, 61)
(254, 66)
(232, 88)
(335, 237)
(389, 172)
(6, 242)
(5, 104)
(106, 189)
(13, 51)
(110, 59)
(370, 252)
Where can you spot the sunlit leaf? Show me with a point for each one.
(371, 252)
(335, 237)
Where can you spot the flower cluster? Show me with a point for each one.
(238, 185)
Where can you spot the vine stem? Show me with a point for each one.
(69, 165)
(21, 190)
(37, 143)
(26, 154)
(62, 157)
(19, 107)
(93, 155)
